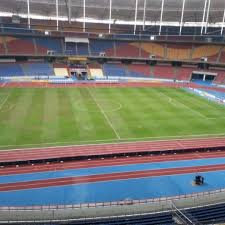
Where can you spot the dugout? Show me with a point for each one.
(203, 76)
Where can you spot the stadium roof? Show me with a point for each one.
(165, 12)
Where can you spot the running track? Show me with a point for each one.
(106, 162)
(108, 177)
(107, 84)
(110, 149)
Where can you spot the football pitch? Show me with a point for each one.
(66, 116)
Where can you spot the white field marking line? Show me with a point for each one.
(196, 112)
(214, 118)
(102, 100)
(202, 97)
(4, 101)
(122, 141)
(104, 114)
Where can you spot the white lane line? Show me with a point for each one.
(184, 105)
(104, 114)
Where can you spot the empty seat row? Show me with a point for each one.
(26, 69)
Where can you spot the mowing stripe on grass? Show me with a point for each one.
(145, 115)
(103, 113)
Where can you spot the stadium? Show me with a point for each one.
(112, 112)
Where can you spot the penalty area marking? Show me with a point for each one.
(3, 102)
(184, 105)
(104, 114)
(7, 108)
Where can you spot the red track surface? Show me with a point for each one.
(106, 84)
(107, 162)
(117, 148)
(107, 177)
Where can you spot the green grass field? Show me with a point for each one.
(65, 116)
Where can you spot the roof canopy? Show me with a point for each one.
(139, 12)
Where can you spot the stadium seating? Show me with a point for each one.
(164, 72)
(20, 45)
(178, 51)
(150, 219)
(220, 78)
(150, 48)
(45, 44)
(127, 49)
(10, 69)
(97, 46)
(222, 56)
(33, 45)
(60, 70)
(209, 51)
(139, 70)
(184, 73)
(114, 70)
(70, 48)
(2, 47)
(209, 214)
(95, 71)
(82, 49)
(212, 214)
(37, 69)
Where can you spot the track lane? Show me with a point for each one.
(107, 84)
(109, 177)
(107, 162)
(116, 148)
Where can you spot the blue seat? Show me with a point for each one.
(53, 44)
(114, 70)
(9, 69)
(38, 69)
(97, 46)
(82, 49)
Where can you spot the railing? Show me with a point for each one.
(115, 203)
(151, 35)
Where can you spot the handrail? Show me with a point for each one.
(109, 204)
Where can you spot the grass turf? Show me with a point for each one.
(43, 117)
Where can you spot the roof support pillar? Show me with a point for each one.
(182, 16)
(144, 15)
(57, 14)
(110, 15)
(28, 13)
(69, 10)
(161, 16)
(203, 16)
(84, 15)
(207, 17)
(135, 17)
(222, 26)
